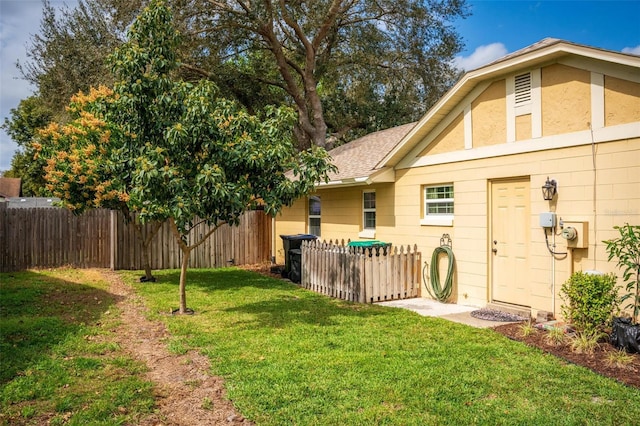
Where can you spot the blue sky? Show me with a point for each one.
(494, 29)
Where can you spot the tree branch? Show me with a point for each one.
(207, 235)
(197, 70)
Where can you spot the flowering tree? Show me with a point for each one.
(83, 159)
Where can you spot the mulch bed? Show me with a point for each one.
(628, 374)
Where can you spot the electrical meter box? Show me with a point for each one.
(581, 240)
(548, 219)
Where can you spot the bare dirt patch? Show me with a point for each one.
(598, 361)
(186, 393)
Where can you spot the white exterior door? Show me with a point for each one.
(509, 242)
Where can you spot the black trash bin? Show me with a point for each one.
(292, 242)
(295, 256)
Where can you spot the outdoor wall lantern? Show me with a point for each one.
(549, 189)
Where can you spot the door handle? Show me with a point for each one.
(495, 250)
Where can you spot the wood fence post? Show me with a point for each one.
(113, 235)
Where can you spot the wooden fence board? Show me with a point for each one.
(358, 274)
(53, 237)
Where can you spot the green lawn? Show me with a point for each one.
(290, 356)
(59, 363)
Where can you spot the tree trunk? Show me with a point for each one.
(145, 239)
(146, 261)
(186, 252)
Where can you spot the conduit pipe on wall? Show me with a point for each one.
(553, 277)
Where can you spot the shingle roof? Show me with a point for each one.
(535, 46)
(360, 157)
(10, 187)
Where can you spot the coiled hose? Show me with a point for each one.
(440, 293)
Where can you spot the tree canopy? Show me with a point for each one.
(173, 149)
(343, 64)
(22, 126)
(347, 67)
(69, 53)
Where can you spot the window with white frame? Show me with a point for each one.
(369, 210)
(438, 205)
(314, 215)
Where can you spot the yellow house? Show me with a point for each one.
(554, 114)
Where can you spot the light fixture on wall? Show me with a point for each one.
(549, 189)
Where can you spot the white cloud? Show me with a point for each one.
(632, 50)
(481, 56)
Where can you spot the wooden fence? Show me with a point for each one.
(364, 275)
(53, 237)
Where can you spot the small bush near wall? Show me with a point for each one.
(591, 301)
(626, 249)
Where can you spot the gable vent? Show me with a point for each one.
(523, 88)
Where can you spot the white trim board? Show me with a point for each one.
(605, 134)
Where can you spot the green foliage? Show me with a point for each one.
(527, 329)
(555, 336)
(627, 249)
(586, 342)
(347, 67)
(22, 126)
(68, 52)
(619, 358)
(190, 152)
(169, 149)
(590, 301)
(290, 356)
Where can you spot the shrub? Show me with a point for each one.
(586, 343)
(527, 329)
(591, 301)
(619, 359)
(627, 249)
(555, 336)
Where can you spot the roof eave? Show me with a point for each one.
(385, 175)
(529, 59)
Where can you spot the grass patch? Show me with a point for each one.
(59, 364)
(291, 356)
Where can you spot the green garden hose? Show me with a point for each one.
(440, 293)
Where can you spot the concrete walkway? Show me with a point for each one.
(448, 311)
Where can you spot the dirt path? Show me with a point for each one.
(185, 392)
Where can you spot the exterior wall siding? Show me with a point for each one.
(489, 115)
(598, 184)
(566, 95)
(291, 220)
(617, 201)
(622, 101)
(523, 127)
(451, 139)
(341, 217)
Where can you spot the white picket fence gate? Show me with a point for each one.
(357, 274)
